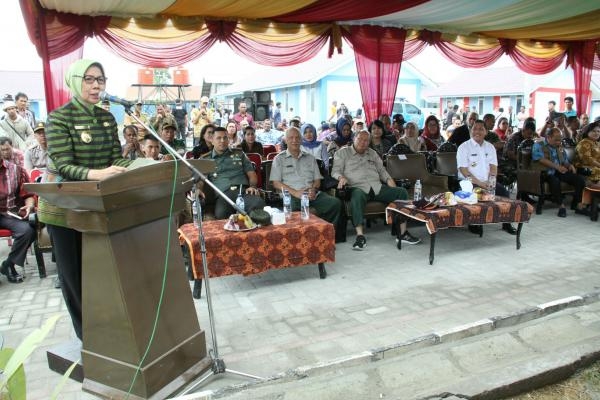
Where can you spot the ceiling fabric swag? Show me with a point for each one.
(251, 9)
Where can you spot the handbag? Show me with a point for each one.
(328, 183)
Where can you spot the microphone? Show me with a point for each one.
(115, 99)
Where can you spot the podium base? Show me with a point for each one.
(62, 356)
(186, 377)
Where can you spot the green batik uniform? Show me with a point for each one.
(79, 138)
(231, 168)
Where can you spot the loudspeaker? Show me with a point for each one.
(262, 102)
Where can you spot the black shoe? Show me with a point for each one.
(56, 283)
(360, 243)
(407, 238)
(509, 229)
(562, 212)
(10, 273)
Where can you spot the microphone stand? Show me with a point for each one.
(218, 365)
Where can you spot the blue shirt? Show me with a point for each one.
(571, 113)
(537, 153)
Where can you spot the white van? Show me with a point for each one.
(409, 111)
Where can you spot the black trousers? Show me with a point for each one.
(577, 181)
(23, 235)
(223, 210)
(67, 249)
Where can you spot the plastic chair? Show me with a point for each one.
(268, 149)
(257, 161)
(36, 175)
(271, 156)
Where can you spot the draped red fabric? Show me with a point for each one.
(581, 58)
(276, 54)
(328, 10)
(412, 48)
(378, 53)
(154, 54)
(466, 58)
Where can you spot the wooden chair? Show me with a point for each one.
(531, 180)
(412, 167)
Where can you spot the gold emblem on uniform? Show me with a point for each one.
(474, 164)
(105, 124)
(86, 137)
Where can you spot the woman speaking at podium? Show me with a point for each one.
(83, 144)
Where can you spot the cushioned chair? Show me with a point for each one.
(531, 181)
(445, 165)
(410, 167)
(257, 161)
(268, 149)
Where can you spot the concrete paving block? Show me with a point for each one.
(517, 317)
(549, 334)
(591, 297)
(480, 354)
(463, 331)
(555, 305)
(414, 373)
(406, 346)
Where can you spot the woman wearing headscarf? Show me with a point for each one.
(83, 144)
(312, 146)
(343, 136)
(432, 134)
(412, 139)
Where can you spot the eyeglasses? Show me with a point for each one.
(89, 79)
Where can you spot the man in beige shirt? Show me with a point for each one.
(360, 167)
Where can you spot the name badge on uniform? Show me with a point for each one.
(474, 164)
(86, 137)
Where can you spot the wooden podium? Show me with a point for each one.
(125, 221)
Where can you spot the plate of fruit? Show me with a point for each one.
(239, 223)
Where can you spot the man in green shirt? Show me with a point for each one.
(234, 174)
(168, 135)
(361, 168)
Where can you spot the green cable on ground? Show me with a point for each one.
(162, 290)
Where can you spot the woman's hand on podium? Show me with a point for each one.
(100, 174)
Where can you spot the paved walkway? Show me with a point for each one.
(284, 319)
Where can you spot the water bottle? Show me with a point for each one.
(287, 205)
(492, 186)
(194, 208)
(418, 189)
(240, 202)
(304, 206)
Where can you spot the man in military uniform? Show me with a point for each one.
(234, 174)
(168, 135)
(162, 118)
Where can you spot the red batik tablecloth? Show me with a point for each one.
(297, 242)
(489, 212)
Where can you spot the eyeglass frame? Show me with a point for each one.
(92, 78)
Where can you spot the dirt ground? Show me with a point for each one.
(583, 385)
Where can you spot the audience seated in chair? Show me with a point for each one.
(9, 153)
(249, 144)
(476, 161)
(18, 201)
(549, 156)
(361, 168)
(588, 152)
(297, 171)
(379, 143)
(234, 174)
(311, 145)
(37, 156)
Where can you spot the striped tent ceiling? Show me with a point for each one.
(540, 20)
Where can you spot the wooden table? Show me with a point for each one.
(591, 195)
(492, 212)
(296, 243)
